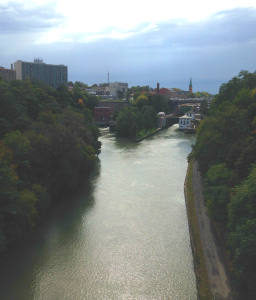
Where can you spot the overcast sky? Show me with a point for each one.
(137, 41)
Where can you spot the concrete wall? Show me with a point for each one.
(18, 69)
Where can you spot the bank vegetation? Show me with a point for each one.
(225, 149)
(48, 147)
(140, 119)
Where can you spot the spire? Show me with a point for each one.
(190, 86)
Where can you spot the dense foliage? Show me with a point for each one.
(141, 117)
(225, 149)
(48, 146)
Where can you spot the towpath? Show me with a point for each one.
(217, 275)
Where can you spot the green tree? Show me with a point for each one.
(48, 146)
(129, 122)
(225, 148)
(149, 118)
(159, 103)
(242, 226)
(141, 100)
(217, 191)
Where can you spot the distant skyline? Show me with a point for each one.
(138, 42)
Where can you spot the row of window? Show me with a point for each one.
(184, 121)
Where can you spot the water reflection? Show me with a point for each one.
(19, 272)
(125, 237)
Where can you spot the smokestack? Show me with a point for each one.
(158, 87)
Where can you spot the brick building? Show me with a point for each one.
(7, 74)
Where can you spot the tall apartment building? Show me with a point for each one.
(52, 75)
(7, 74)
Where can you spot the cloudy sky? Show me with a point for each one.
(137, 41)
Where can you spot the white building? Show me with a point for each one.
(191, 114)
(161, 120)
(118, 89)
(185, 122)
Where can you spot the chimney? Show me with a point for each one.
(157, 87)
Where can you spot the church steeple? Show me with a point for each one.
(190, 86)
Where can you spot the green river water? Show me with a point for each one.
(126, 237)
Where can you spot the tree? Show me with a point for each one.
(141, 100)
(242, 226)
(129, 122)
(217, 191)
(149, 118)
(204, 107)
(225, 148)
(48, 146)
(159, 102)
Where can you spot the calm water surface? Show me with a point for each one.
(125, 238)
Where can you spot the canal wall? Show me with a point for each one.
(196, 245)
(212, 279)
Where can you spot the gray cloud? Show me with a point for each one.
(15, 19)
(224, 28)
(211, 51)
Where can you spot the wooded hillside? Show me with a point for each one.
(48, 146)
(226, 151)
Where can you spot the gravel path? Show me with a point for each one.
(216, 271)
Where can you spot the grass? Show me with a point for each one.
(203, 286)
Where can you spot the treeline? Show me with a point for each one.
(140, 118)
(48, 146)
(226, 151)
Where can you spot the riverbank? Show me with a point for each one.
(125, 238)
(212, 280)
(147, 135)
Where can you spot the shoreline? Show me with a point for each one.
(211, 276)
(148, 135)
(203, 291)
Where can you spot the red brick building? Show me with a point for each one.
(102, 115)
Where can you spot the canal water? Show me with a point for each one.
(126, 237)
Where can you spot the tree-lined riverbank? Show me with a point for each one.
(126, 238)
(48, 148)
(225, 150)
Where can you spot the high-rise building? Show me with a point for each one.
(52, 75)
(7, 74)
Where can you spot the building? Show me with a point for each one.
(173, 93)
(52, 75)
(161, 120)
(115, 106)
(190, 121)
(102, 115)
(7, 74)
(185, 122)
(104, 112)
(118, 89)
